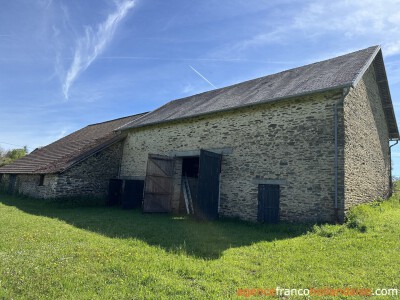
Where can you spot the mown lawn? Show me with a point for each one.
(53, 252)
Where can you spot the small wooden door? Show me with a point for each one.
(268, 203)
(158, 186)
(114, 192)
(132, 196)
(208, 185)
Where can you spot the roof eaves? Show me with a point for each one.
(377, 60)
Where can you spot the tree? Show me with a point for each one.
(7, 157)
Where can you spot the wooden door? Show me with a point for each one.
(114, 192)
(158, 186)
(268, 203)
(208, 185)
(132, 196)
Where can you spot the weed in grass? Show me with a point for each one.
(327, 230)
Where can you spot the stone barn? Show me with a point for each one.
(301, 145)
(80, 164)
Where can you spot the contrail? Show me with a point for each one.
(198, 73)
(93, 43)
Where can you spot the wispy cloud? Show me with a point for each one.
(93, 43)
(362, 22)
(198, 73)
(202, 59)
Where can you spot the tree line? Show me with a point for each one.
(8, 156)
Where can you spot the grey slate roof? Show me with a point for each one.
(339, 72)
(64, 153)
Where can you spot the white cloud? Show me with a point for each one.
(93, 43)
(353, 18)
(369, 21)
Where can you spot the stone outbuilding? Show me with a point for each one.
(80, 164)
(304, 144)
(301, 145)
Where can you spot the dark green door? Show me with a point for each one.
(268, 203)
(132, 196)
(114, 192)
(206, 206)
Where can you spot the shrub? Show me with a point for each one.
(355, 219)
(327, 230)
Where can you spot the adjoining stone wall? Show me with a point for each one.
(27, 184)
(291, 141)
(366, 163)
(4, 182)
(87, 178)
(91, 176)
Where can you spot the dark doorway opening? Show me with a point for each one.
(190, 182)
(190, 167)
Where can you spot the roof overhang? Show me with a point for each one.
(387, 104)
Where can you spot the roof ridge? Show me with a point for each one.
(109, 121)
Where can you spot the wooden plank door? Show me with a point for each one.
(158, 186)
(208, 185)
(132, 196)
(268, 203)
(114, 192)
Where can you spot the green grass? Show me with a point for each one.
(53, 252)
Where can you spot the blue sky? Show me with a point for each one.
(65, 64)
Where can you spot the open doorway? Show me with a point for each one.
(190, 181)
(200, 184)
(190, 166)
(163, 184)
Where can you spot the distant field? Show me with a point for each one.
(53, 252)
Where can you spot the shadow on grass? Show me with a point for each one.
(175, 234)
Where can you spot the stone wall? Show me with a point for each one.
(91, 176)
(367, 164)
(26, 184)
(87, 178)
(290, 141)
(4, 182)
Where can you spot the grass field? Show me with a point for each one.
(53, 252)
